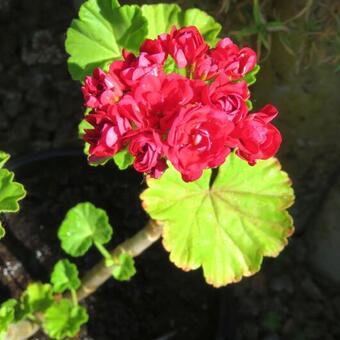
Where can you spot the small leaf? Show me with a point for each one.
(229, 227)
(249, 105)
(10, 192)
(276, 26)
(84, 124)
(123, 159)
(63, 319)
(36, 298)
(250, 77)
(83, 225)
(7, 316)
(65, 276)
(125, 268)
(2, 231)
(97, 37)
(4, 157)
(170, 65)
(161, 18)
(257, 14)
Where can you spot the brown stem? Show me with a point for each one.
(96, 276)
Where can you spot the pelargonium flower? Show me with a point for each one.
(198, 139)
(228, 97)
(233, 61)
(106, 138)
(185, 45)
(146, 146)
(191, 117)
(257, 137)
(101, 89)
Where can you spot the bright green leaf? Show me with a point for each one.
(125, 268)
(170, 66)
(2, 231)
(7, 316)
(83, 225)
(10, 192)
(63, 319)
(250, 77)
(4, 157)
(65, 276)
(36, 298)
(228, 228)
(123, 159)
(84, 124)
(162, 17)
(97, 37)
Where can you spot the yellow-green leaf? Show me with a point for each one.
(228, 228)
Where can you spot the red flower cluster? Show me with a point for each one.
(193, 121)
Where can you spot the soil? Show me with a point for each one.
(40, 108)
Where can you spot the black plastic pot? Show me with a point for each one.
(160, 302)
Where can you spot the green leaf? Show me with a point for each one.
(257, 14)
(123, 159)
(63, 319)
(36, 298)
(249, 105)
(7, 316)
(228, 228)
(125, 268)
(84, 124)
(170, 65)
(65, 276)
(97, 37)
(2, 231)
(276, 26)
(83, 225)
(250, 77)
(4, 157)
(162, 17)
(10, 192)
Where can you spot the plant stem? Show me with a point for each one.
(105, 253)
(96, 276)
(74, 297)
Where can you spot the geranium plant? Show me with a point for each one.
(165, 94)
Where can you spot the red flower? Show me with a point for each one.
(101, 89)
(105, 138)
(133, 68)
(256, 137)
(146, 146)
(160, 98)
(153, 50)
(192, 122)
(234, 61)
(227, 96)
(206, 68)
(185, 45)
(198, 140)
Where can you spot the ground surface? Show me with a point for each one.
(40, 108)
